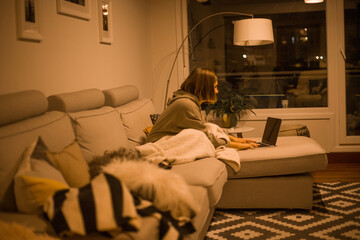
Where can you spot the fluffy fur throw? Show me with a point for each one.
(165, 189)
(17, 231)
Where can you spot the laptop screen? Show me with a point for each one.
(271, 131)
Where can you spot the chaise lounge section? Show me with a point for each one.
(275, 177)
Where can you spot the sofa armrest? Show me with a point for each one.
(37, 223)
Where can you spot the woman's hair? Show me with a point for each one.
(201, 83)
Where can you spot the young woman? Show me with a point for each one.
(184, 111)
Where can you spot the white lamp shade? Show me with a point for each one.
(253, 32)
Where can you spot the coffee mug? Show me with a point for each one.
(284, 103)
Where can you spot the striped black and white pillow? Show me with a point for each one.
(103, 205)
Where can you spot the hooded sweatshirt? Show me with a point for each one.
(183, 111)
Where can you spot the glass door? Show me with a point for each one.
(350, 122)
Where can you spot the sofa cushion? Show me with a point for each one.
(135, 112)
(77, 101)
(103, 205)
(72, 165)
(293, 154)
(136, 117)
(98, 130)
(115, 97)
(42, 188)
(34, 165)
(209, 173)
(53, 127)
(38, 223)
(21, 105)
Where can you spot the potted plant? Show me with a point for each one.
(231, 104)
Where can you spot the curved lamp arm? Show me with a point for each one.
(187, 36)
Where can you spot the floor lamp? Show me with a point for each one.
(247, 32)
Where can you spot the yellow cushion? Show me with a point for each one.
(72, 165)
(42, 188)
(147, 130)
(34, 164)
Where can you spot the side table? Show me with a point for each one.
(237, 132)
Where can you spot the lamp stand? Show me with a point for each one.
(187, 36)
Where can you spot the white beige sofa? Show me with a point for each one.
(102, 120)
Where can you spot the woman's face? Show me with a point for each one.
(215, 87)
(216, 91)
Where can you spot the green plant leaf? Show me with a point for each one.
(230, 102)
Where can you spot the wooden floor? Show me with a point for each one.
(349, 172)
(341, 168)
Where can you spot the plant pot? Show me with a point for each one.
(227, 120)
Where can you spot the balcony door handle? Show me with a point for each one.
(343, 53)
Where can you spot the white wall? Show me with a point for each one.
(70, 57)
(167, 33)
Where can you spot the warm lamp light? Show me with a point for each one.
(313, 1)
(247, 32)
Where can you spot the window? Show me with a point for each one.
(293, 70)
(352, 64)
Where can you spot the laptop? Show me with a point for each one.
(271, 132)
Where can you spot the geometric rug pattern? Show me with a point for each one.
(335, 215)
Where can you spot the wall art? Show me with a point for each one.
(105, 21)
(74, 8)
(28, 24)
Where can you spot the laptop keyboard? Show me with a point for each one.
(263, 145)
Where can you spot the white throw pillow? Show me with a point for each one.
(136, 117)
(35, 165)
(99, 130)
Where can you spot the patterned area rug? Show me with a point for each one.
(335, 215)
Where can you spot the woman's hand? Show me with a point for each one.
(244, 140)
(241, 140)
(244, 145)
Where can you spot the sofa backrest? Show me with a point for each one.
(134, 111)
(61, 118)
(23, 119)
(119, 96)
(97, 128)
(77, 101)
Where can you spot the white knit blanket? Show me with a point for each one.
(187, 146)
(216, 131)
(228, 155)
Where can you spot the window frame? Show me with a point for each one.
(344, 138)
(335, 112)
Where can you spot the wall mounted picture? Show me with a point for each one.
(28, 25)
(75, 8)
(105, 21)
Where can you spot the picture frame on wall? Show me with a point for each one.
(28, 23)
(75, 8)
(105, 21)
